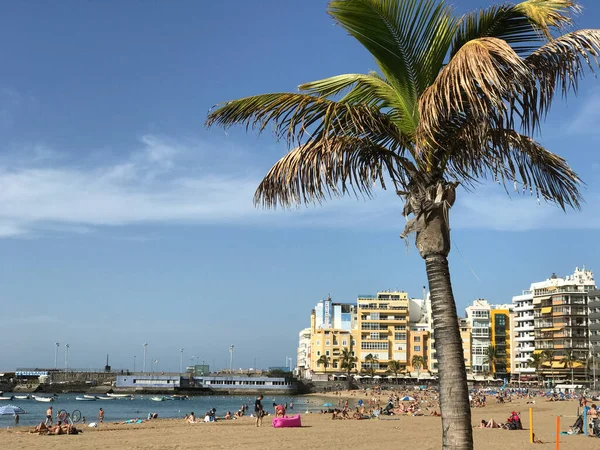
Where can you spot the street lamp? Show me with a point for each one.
(144, 363)
(56, 356)
(133, 363)
(66, 357)
(180, 360)
(230, 358)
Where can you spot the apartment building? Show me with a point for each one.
(594, 326)
(465, 335)
(478, 318)
(332, 329)
(304, 353)
(382, 330)
(501, 325)
(561, 324)
(524, 337)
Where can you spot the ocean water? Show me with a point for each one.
(123, 409)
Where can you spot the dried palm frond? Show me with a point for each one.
(475, 84)
(298, 117)
(548, 14)
(515, 159)
(331, 167)
(557, 65)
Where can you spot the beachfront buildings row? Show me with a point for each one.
(547, 333)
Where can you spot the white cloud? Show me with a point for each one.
(171, 182)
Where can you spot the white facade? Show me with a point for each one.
(523, 335)
(478, 317)
(304, 350)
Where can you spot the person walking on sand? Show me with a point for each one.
(48, 417)
(101, 415)
(258, 410)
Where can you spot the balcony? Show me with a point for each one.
(523, 307)
(524, 338)
(524, 317)
(526, 349)
(525, 327)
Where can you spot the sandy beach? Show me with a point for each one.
(318, 432)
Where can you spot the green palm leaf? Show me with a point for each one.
(409, 40)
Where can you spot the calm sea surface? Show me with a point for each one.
(141, 406)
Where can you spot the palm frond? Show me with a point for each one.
(476, 84)
(560, 64)
(512, 158)
(297, 118)
(331, 167)
(370, 89)
(409, 40)
(549, 14)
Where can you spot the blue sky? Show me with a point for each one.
(123, 220)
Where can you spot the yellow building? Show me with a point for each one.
(418, 346)
(501, 326)
(382, 323)
(328, 342)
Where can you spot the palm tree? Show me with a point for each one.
(348, 363)
(570, 358)
(395, 367)
(369, 366)
(324, 360)
(536, 360)
(418, 362)
(548, 356)
(491, 359)
(455, 100)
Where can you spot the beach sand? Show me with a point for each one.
(318, 432)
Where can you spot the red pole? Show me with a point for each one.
(557, 432)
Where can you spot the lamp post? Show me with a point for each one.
(180, 360)
(230, 358)
(56, 356)
(66, 357)
(144, 363)
(133, 363)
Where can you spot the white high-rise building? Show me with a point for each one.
(478, 318)
(303, 360)
(524, 337)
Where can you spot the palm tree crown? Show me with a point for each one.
(455, 100)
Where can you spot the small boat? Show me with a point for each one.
(23, 397)
(85, 399)
(158, 399)
(119, 395)
(105, 398)
(43, 399)
(91, 397)
(6, 398)
(179, 397)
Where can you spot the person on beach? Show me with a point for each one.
(16, 420)
(48, 416)
(258, 410)
(191, 418)
(101, 415)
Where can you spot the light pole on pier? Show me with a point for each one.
(56, 356)
(133, 363)
(66, 357)
(180, 360)
(230, 359)
(144, 363)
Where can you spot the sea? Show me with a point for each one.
(121, 409)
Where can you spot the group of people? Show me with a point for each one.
(512, 423)
(59, 428)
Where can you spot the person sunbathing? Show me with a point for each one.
(489, 424)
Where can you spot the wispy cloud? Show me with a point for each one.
(167, 181)
(587, 119)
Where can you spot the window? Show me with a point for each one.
(318, 342)
(399, 336)
(417, 338)
(417, 348)
(327, 343)
(327, 352)
(318, 353)
(373, 345)
(344, 343)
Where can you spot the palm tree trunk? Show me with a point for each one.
(454, 393)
